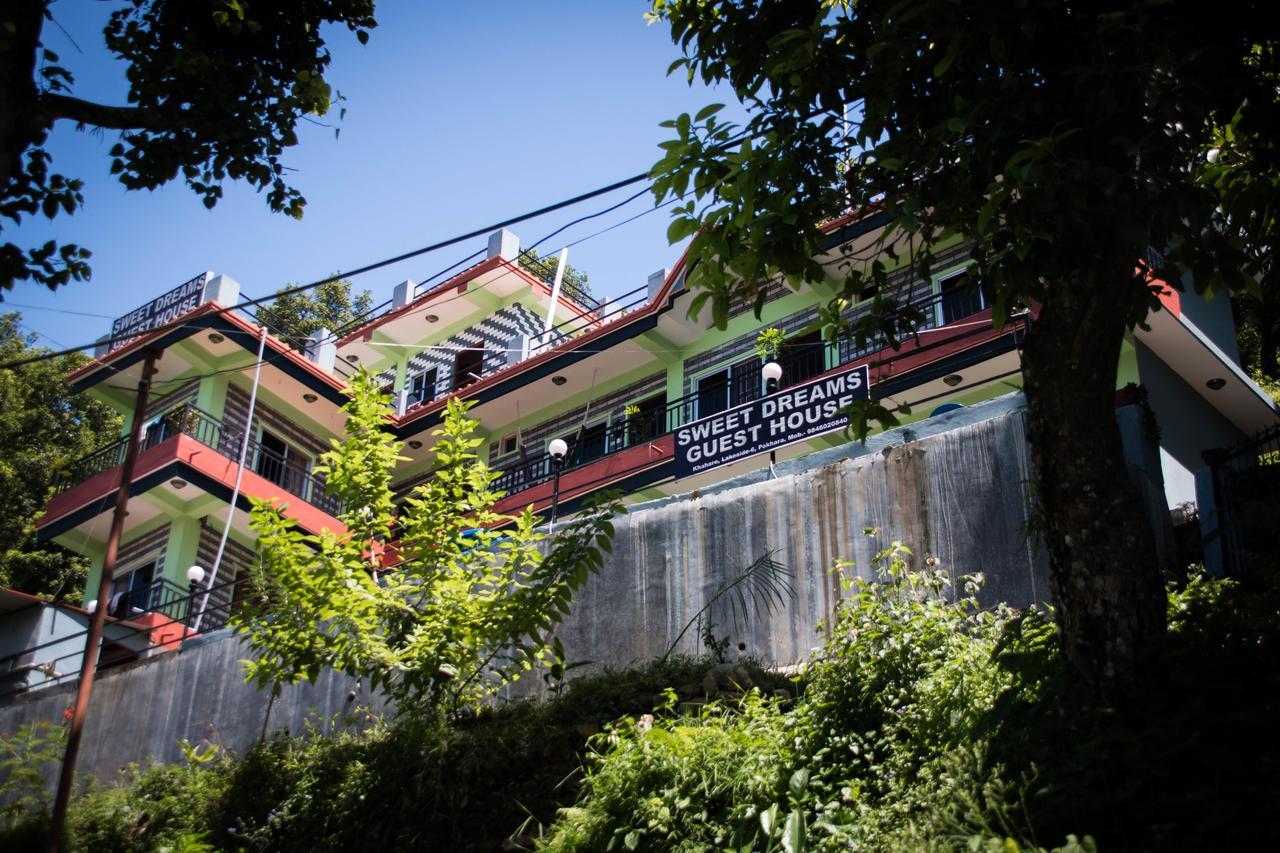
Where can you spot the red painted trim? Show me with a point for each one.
(458, 284)
(598, 475)
(203, 460)
(593, 477)
(568, 346)
(278, 348)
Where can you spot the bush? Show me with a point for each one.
(408, 784)
(878, 752)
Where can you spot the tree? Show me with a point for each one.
(43, 429)
(466, 605)
(573, 284)
(294, 316)
(216, 89)
(1060, 142)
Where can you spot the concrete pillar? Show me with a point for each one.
(180, 553)
(503, 244)
(322, 349)
(403, 294)
(222, 289)
(656, 280)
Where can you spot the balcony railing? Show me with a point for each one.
(800, 363)
(196, 423)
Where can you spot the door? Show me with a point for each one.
(468, 366)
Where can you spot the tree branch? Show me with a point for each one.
(56, 106)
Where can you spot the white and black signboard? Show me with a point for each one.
(774, 421)
(160, 310)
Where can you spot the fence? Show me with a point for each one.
(1246, 483)
(196, 423)
(144, 621)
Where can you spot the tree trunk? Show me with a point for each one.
(1109, 596)
(20, 119)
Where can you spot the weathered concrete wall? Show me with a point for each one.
(143, 710)
(953, 487)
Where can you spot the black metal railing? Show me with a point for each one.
(542, 268)
(128, 636)
(192, 421)
(799, 362)
(491, 361)
(588, 320)
(1246, 482)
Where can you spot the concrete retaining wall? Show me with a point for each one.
(953, 487)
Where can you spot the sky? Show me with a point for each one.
(458, 115)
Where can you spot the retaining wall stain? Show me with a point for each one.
(953, 487)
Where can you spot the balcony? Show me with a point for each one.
(195, 423)
(952, 320)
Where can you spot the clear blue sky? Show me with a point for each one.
(458, 115)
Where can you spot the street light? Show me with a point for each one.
(195, 575)
(557, 450)
(772, 373)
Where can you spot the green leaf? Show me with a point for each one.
(708, 111)
(793, 834)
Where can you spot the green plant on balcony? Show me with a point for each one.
(769, 343)
(640, 427)
(462, 602)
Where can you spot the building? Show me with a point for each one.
(615, 380)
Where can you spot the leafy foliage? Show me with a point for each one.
(468, 602)
(411, 784)
(294, 316)
(43, 429)
(216, 89)
(928, 724)
(1072, 178)
(574, 283)
(769, 343)
(24, 756)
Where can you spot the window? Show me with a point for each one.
(958, 298)
(802, 358)
(468, 366)
(510, 445)
(587, 443)
(649, 421)
(131, 591)
(421, 388)
(280, 463)
(713, 393)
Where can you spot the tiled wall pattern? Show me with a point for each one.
(494, 334)
(263, 416)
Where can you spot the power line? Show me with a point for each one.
(551, 208)
(57, 310)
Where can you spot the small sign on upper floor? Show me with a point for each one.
(206, 287)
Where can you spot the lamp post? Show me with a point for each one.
(195, 575)
(557, 450)
(772, 373)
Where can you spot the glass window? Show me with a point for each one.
(713, 393)
(958, 299)
(422, 388)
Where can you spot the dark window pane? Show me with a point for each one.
(468, 366)
(713, 393)
(958, 301)
(802, 358)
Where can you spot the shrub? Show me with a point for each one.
(882, 750)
